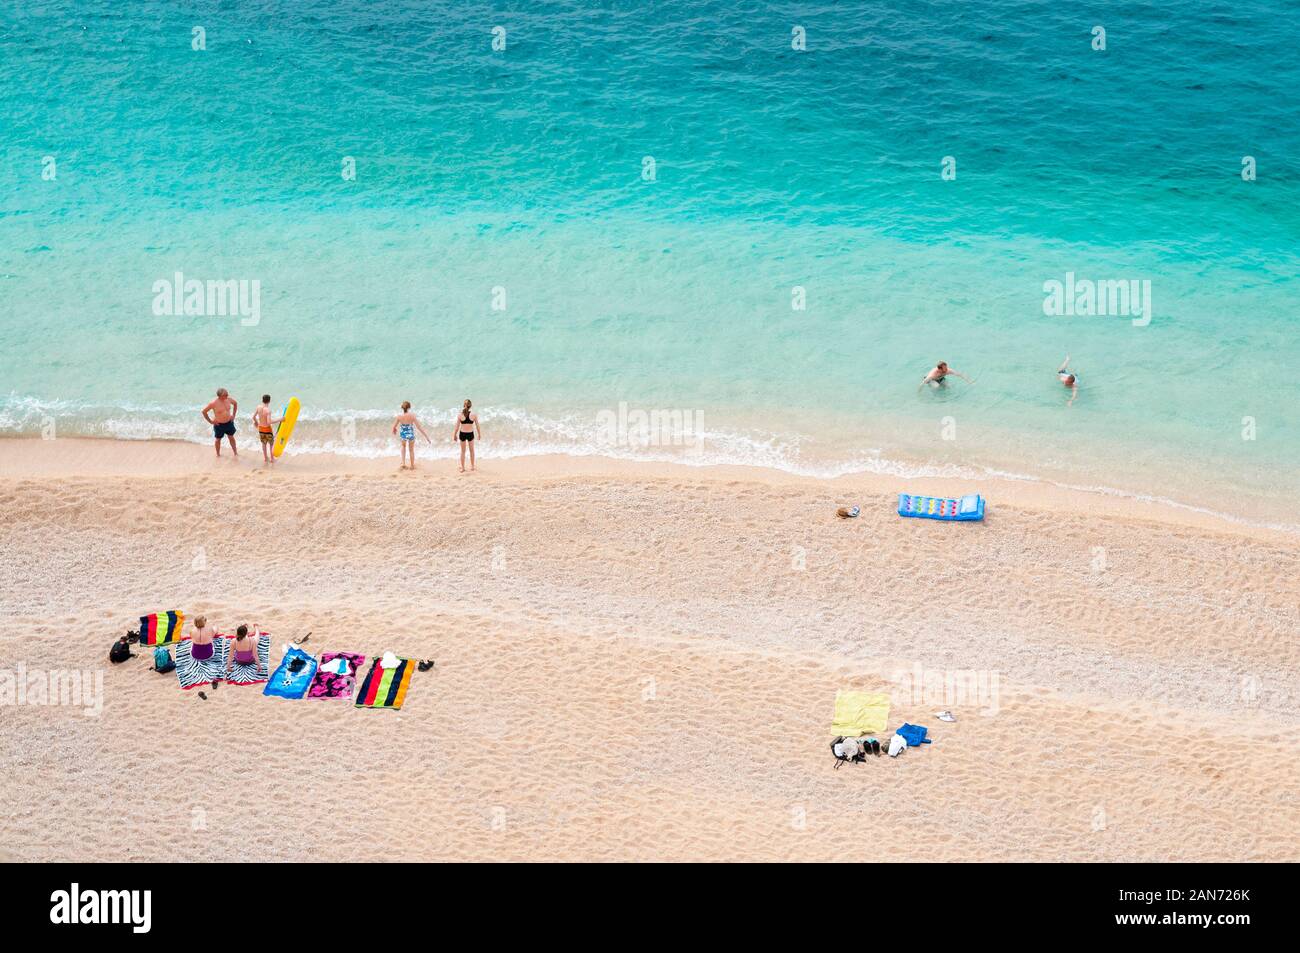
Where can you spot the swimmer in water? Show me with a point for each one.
(936, 377)
(1068, 379)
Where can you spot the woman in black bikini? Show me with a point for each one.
(466, 426)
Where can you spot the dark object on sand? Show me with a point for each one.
(848, 750)
(425, 665)
(163, 661)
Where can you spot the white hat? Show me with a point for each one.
(389, 661)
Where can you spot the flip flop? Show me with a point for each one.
(203, 696)
(425, 665)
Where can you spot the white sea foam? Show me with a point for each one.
(516, 432)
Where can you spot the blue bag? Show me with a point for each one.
(162, 661)
(913, 734)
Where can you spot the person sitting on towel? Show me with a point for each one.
(201, 641)
(245, 649)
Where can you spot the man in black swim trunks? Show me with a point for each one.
(941, 370)
(220, 413)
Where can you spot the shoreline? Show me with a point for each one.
(23, 457)
(1240, 480)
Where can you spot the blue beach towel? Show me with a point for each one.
(913, 734)
(286, 682)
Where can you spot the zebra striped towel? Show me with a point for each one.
(191, 672)
(256, 673)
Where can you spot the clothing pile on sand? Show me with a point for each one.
(860, 716)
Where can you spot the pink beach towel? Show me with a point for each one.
(330, 684)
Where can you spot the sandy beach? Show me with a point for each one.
(639, 662)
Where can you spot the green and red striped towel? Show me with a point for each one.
(386, 687)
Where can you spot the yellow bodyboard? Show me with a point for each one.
(284, 429)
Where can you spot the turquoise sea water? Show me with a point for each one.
(775, 169)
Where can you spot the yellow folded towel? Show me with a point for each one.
(860, 713)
